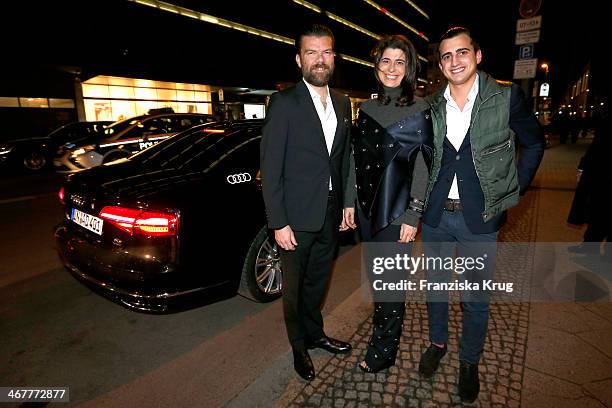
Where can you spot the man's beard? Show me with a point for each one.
(318, 78)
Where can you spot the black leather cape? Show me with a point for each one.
(384, 164)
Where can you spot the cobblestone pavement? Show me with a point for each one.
(340, 383)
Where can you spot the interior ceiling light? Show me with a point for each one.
(417, 8)
(394, 17)
(346, 22)
(162, 5)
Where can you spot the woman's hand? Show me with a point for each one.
(407, 233)
(348, 218)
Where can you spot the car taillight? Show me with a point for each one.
(134, 221)
(61, 195)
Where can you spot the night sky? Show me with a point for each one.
(571, 33)
(169, 47)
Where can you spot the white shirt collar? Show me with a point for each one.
(314, 94)
(471, 95)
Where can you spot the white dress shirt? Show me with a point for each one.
(457, 125)
(327, 116)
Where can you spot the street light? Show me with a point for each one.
(544, 66)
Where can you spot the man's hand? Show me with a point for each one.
(285, 238)
(578, 175)
(348, 219)
(407, 233)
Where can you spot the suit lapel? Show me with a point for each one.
(340, 117)
(311, 112)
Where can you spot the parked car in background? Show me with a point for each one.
(124, 138)
(181, 221)
(36, 153)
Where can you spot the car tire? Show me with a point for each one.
(261, 278)
(34, 160)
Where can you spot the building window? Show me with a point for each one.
(116, 98)
(6, 102)
(33, 102)
(61, 103)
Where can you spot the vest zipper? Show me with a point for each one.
(485, 216)
(497, 148)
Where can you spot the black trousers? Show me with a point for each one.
(306, 273)
(388, 318)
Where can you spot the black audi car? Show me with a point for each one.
(180, 221)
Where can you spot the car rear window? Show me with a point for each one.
(195, 148)
(120, 126)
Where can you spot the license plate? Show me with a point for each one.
(87, 221)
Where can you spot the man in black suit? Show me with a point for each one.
(304, 167)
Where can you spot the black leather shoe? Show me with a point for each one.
(329, 344)
(430, 360)
(303, 364)
(469, 384)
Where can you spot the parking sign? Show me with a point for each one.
(526, 51)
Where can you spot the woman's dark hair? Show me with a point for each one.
(408, 83)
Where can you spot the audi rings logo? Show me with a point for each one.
(238, 178)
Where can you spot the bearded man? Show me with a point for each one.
(304, 168)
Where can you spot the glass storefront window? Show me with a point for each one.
(204, 108)
(98, 109)
(185, 96)
(118, 97)
(202, 96)
(6, 102)
(142, 107)
(61, 103)
(144, 83)
(186, 108)
(185, 87)
(123, 109)
(121, 92)
(166, 94)
(95, 91)
(34, 102)
(145, 93)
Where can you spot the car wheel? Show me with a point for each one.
(35, 160)
(262, 277)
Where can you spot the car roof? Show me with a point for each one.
(157, 115)
(229, 124)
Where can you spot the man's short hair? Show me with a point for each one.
(313, 30)
(458, 30)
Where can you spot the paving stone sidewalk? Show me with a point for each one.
(340, 383)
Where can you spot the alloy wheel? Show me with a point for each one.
(268, 272)
(34, 161)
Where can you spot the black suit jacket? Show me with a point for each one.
(295, 164)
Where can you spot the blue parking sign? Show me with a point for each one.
(526, 51)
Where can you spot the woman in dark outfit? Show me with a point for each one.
(591, 203)
(392, 148)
